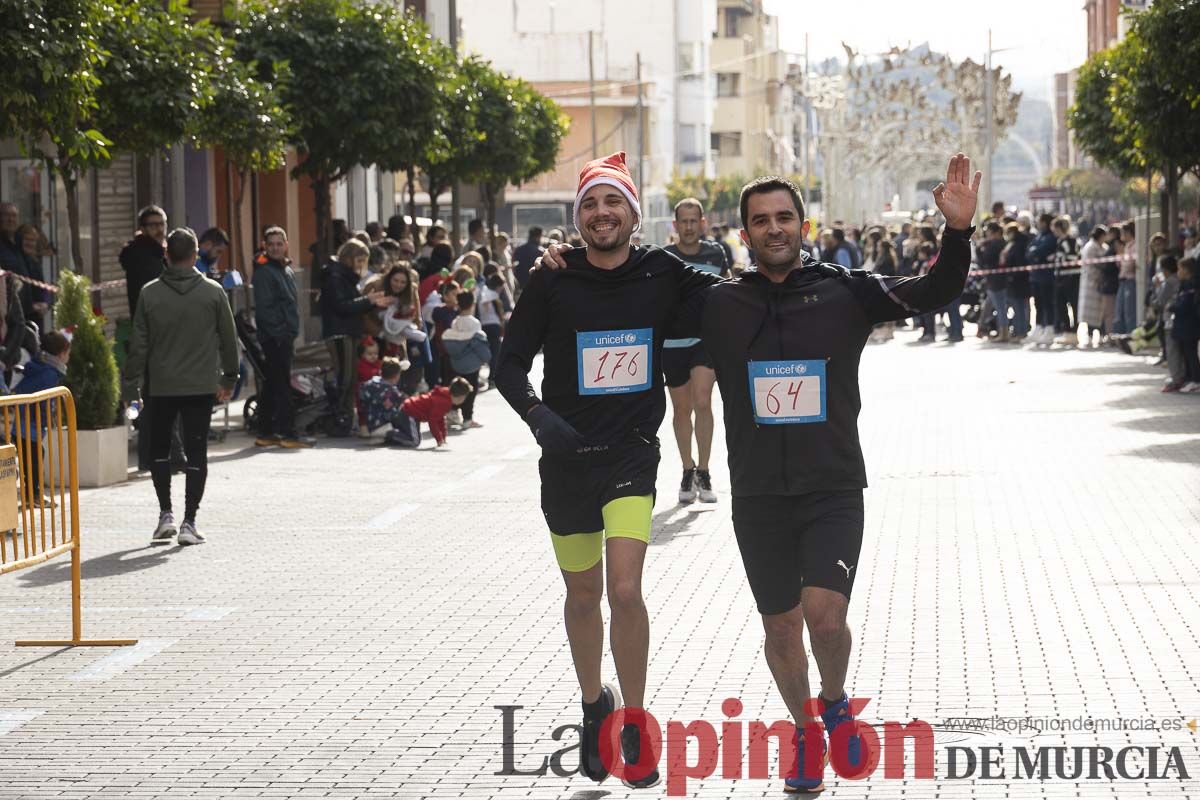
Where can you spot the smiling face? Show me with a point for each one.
(606, 219)
(774, 230)
(398, 283)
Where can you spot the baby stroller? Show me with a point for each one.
(311, 391)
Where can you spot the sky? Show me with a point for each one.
(1046, 36)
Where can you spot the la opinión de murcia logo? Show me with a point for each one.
(742, 750)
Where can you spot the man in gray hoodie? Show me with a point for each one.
(183, 356)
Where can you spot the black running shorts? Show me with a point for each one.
(576, 487)
(790, 542)
(677, 363)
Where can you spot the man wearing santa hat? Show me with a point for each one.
(601, 323)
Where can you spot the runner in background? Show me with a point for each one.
(686, 365)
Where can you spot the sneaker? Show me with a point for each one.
(704, 486)
(1171, 386)
(1190, 388)
(297, 442)
(267, 441)
(631, 751)
(799, 782)
(188, 534)
(836, 714)
(473, 424)
(166, 527)
(687, 487)
(454, 417)
(590, 763)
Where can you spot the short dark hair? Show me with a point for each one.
(765, 185)
(1189, 263)
(1046, 218)
(390, 368)
(373, 229)
(1167, 262)
(460, 387)
(182, 246)
(435, 230)
(475, 225)
(441, 255)
(214, 236)
(1130, 226)
(55, 343)
(466, 300)
(689, 202)
(838, 234)
(993, 227)
(448, 287)
(535, 232)
(150, 211)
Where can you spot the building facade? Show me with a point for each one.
(755, 117)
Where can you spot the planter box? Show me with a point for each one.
(103, 456)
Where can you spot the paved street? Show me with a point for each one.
(1031, 550)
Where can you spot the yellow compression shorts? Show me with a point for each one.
(624, 518)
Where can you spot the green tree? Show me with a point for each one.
(92, 370)
(1138, 103)
(245, 118)
(520, 135)
(446, 156)
(51, 52)
(361, 88)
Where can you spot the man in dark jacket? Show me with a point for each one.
(277, 318)
(342, 309)
(524, 256)
(144, 256)
(786, 340)
(1041, 281)
(183, 355)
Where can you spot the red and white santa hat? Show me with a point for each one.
(610, 170)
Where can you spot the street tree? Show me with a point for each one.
(51, 53)
(360, 89)
(446, 156)
(246, 119)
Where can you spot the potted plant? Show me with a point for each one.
(102, 445)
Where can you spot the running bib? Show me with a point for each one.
(787, 392)
(614, 362)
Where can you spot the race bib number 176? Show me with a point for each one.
(787, 392)
(614, 362)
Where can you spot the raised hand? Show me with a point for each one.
(957, 196)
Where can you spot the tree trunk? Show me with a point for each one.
(413, 227)
(239, 257)
(324, 244)
(489, 212)
(436, 187)
(1171, 223)
(71, 186)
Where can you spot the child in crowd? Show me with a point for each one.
(368, 368)
(1185, 326)
(380, 397)
(39, 373)
(467, 348)
(443, 317)
(430, 408)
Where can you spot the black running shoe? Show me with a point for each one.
(631, 751)
(590, 763)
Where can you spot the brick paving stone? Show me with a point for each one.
(1031, 549)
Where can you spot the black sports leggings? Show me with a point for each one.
(195, 415)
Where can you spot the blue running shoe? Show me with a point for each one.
(799, 782)
(837, 714)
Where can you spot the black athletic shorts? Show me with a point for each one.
(576, 487)
(790, 542)
(677, 363)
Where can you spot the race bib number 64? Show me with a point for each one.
(787, 392)
(614, 362)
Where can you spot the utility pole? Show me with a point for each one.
(805, 133)
(455, 198)
(592, 94)
(641, 119)
(989, 112)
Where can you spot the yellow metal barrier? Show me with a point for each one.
(39, 494)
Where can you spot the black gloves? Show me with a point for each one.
(553, 433)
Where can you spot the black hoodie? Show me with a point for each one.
(821, 315)
(653, 291)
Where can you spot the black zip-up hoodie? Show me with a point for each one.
(820, 312)
(653, 289)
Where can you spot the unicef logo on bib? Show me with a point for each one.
(614, 362)
(787, 392)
